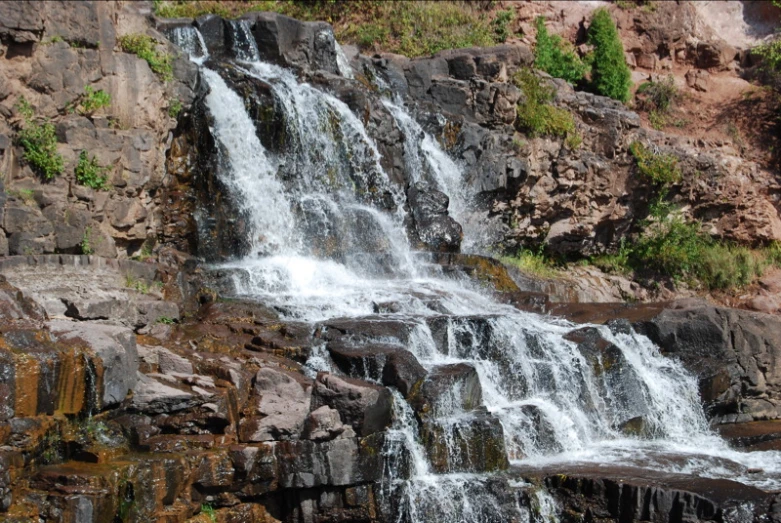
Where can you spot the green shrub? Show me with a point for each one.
(209, 512)
(89, 172)
(723, 266)
(39, 141)
(556, 57)
(500, 24)
(659, 95)
(661, 169)
(145, 47)
(92, 100)
(174, 108)
(535, 115)
(610, 76)
(86, 245)
(531, 262)
(671, 247)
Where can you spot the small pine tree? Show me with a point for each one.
(556, 56)
(610, 76)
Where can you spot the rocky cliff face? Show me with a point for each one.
(53, 52)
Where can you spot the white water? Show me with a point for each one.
(552, 406)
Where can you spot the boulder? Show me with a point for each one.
(340, 462)
(280, 406)
(365, 406)
(302, 45)
(473, 443)
(390, 365)
(116, 348)
(325, 424)
(435, 228)
(448, 390)
(151, 396)
(21, 22)
(617, 382)
(735, 354)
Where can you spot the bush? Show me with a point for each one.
(89, 172)
(556, 56)
(610, 76)
(661, 169)
(500, 23)
(39, 141)
(659, 95)
(671, 247)
(531, 262)
(92, 100)
(535, 115)
(145, 47)
(174, 108)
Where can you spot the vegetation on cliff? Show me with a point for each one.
(397, 26)
(610, 76)
(556, 56)
(536, 115)
(39, 141)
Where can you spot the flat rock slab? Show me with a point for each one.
(756, 435)
(90, 288)
(633, 493)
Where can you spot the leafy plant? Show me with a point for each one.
(500, 24)
(535, 115)
(556, 56)
(659, 95)
(131, 282)
(86, 242)
(39, 141)
(26, 195)
(89, 172)
(610, 76)
(661, 169)
(532, 262)
(165, 320)
(174, 108)
(93, 100)
(209, 512)
(146, 48)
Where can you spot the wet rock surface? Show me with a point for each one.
(732, 352)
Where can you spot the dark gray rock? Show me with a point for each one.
(735, 354)
(303, 45)
(365, 406)
(473, 443)
(435, 228)
(22, 21)
(448, 390)
(391, 365)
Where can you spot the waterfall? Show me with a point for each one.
(427, 162)
(328, 236)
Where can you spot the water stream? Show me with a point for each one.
(329, 242)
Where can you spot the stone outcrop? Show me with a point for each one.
(53, 51)
(733, 353)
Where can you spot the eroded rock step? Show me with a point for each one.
(756, 435)
(618, 493)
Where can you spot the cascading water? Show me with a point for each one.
(329, 242)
